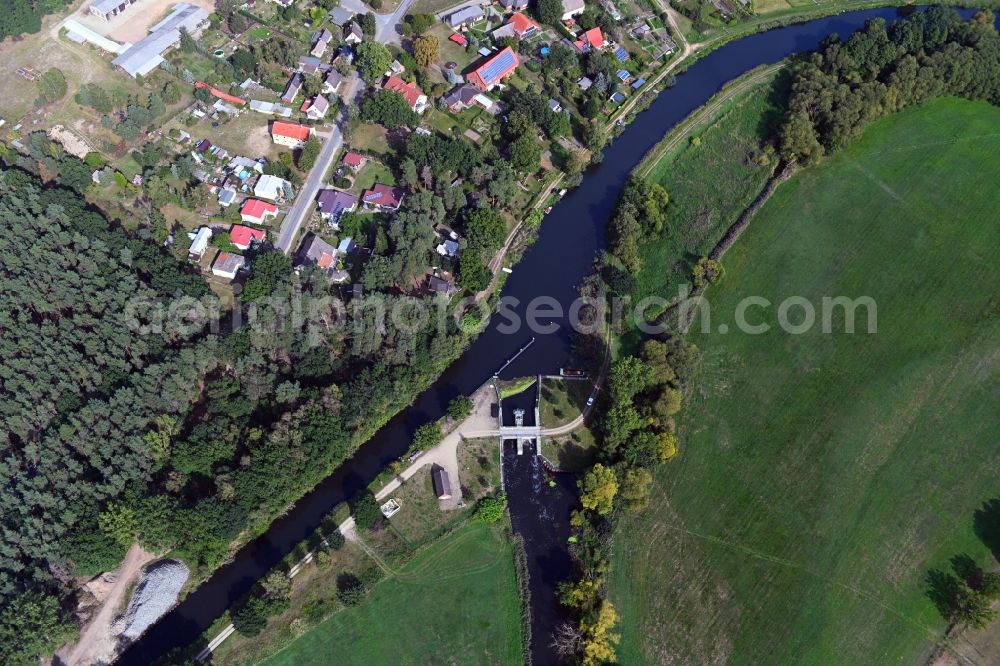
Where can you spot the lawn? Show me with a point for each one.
(455, 603)
(562, 400)
(574, 452)
(420, 517)
(372, 172)
(821, 476)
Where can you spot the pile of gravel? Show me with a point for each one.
(156, 592)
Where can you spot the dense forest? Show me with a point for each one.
(181, 440)
(20, 16)
(845, 85)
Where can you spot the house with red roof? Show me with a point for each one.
(257, 211)
(591, 39)
(458, 39)
(354, 161)
(383, 197)
(519, 26)
(492, 72)
(413, 95)
(292, 135)
(243, 237)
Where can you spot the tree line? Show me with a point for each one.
(844, 86)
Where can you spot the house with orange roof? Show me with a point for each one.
(494, 70)
(519, 26)
(354, 161)
(413, 95)
(292, 135)
(591, 39)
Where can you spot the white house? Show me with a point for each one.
(227, 265)
(272, 188)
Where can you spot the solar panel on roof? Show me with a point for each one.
(621, 54)
(495, 68)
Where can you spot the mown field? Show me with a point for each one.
(821, 476)
(455, 603)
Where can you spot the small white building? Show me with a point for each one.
(199, 242)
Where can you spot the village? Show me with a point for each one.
(270, 83)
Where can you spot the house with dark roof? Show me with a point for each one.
(321, 39)
(353, 34)
(514, 5)
(333, 203)
(441, 286)
(465, 16)
(292, 88)
(460, 97)
(442, 484)
(309, 64)
(315, 251)
(340, 16)
(494, 70)
(332, 82)
(383, 197)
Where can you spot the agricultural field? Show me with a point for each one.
(455, 602)
(821, 477)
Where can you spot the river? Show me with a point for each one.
(568, 241)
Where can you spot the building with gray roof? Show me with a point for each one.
(147, 54)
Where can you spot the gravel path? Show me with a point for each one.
(96, 642)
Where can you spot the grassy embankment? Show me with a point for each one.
(821, 476)
(455, 602)
(708, 166)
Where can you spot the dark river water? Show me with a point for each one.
(568, 241)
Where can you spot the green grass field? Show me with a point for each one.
(821, 476)
(708, 184)
(455, 603)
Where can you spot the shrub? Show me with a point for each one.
(366, 511)
(491, 509)
(350, 589)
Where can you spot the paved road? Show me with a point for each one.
(302, 208)
(306, 198)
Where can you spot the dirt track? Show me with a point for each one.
(96, 644)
